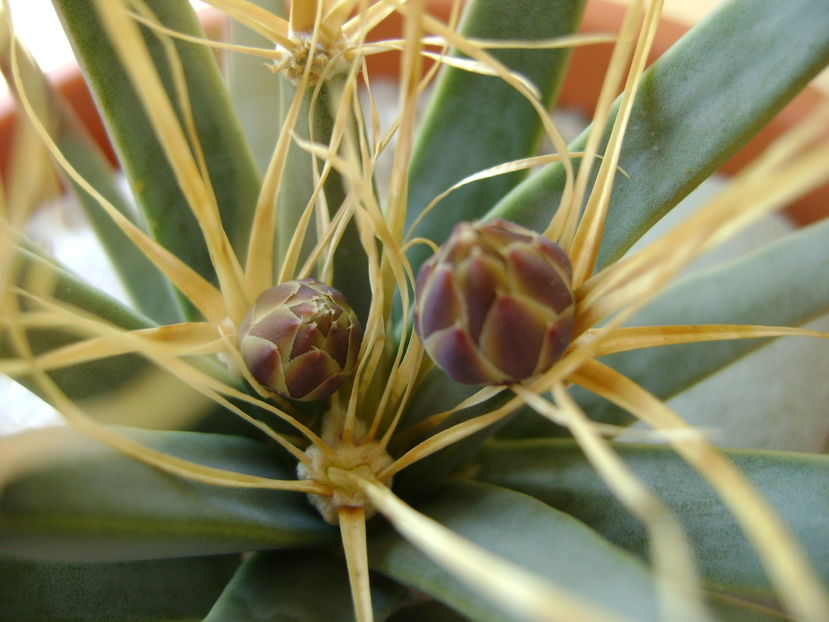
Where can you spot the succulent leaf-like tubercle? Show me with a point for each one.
(495, 304)
(300, 339)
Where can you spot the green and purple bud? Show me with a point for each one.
(300, 339)
(495, 305)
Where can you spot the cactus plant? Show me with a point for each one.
(183, 488)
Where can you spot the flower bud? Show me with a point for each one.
(494, 305)
(300, 339)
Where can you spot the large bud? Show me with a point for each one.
(300, 339)
(494, 305)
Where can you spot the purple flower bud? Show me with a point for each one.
(300, 339)
(495, 305)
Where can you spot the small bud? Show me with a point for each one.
(494, 305)
(300, 339)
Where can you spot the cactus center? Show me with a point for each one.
(338, 471)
